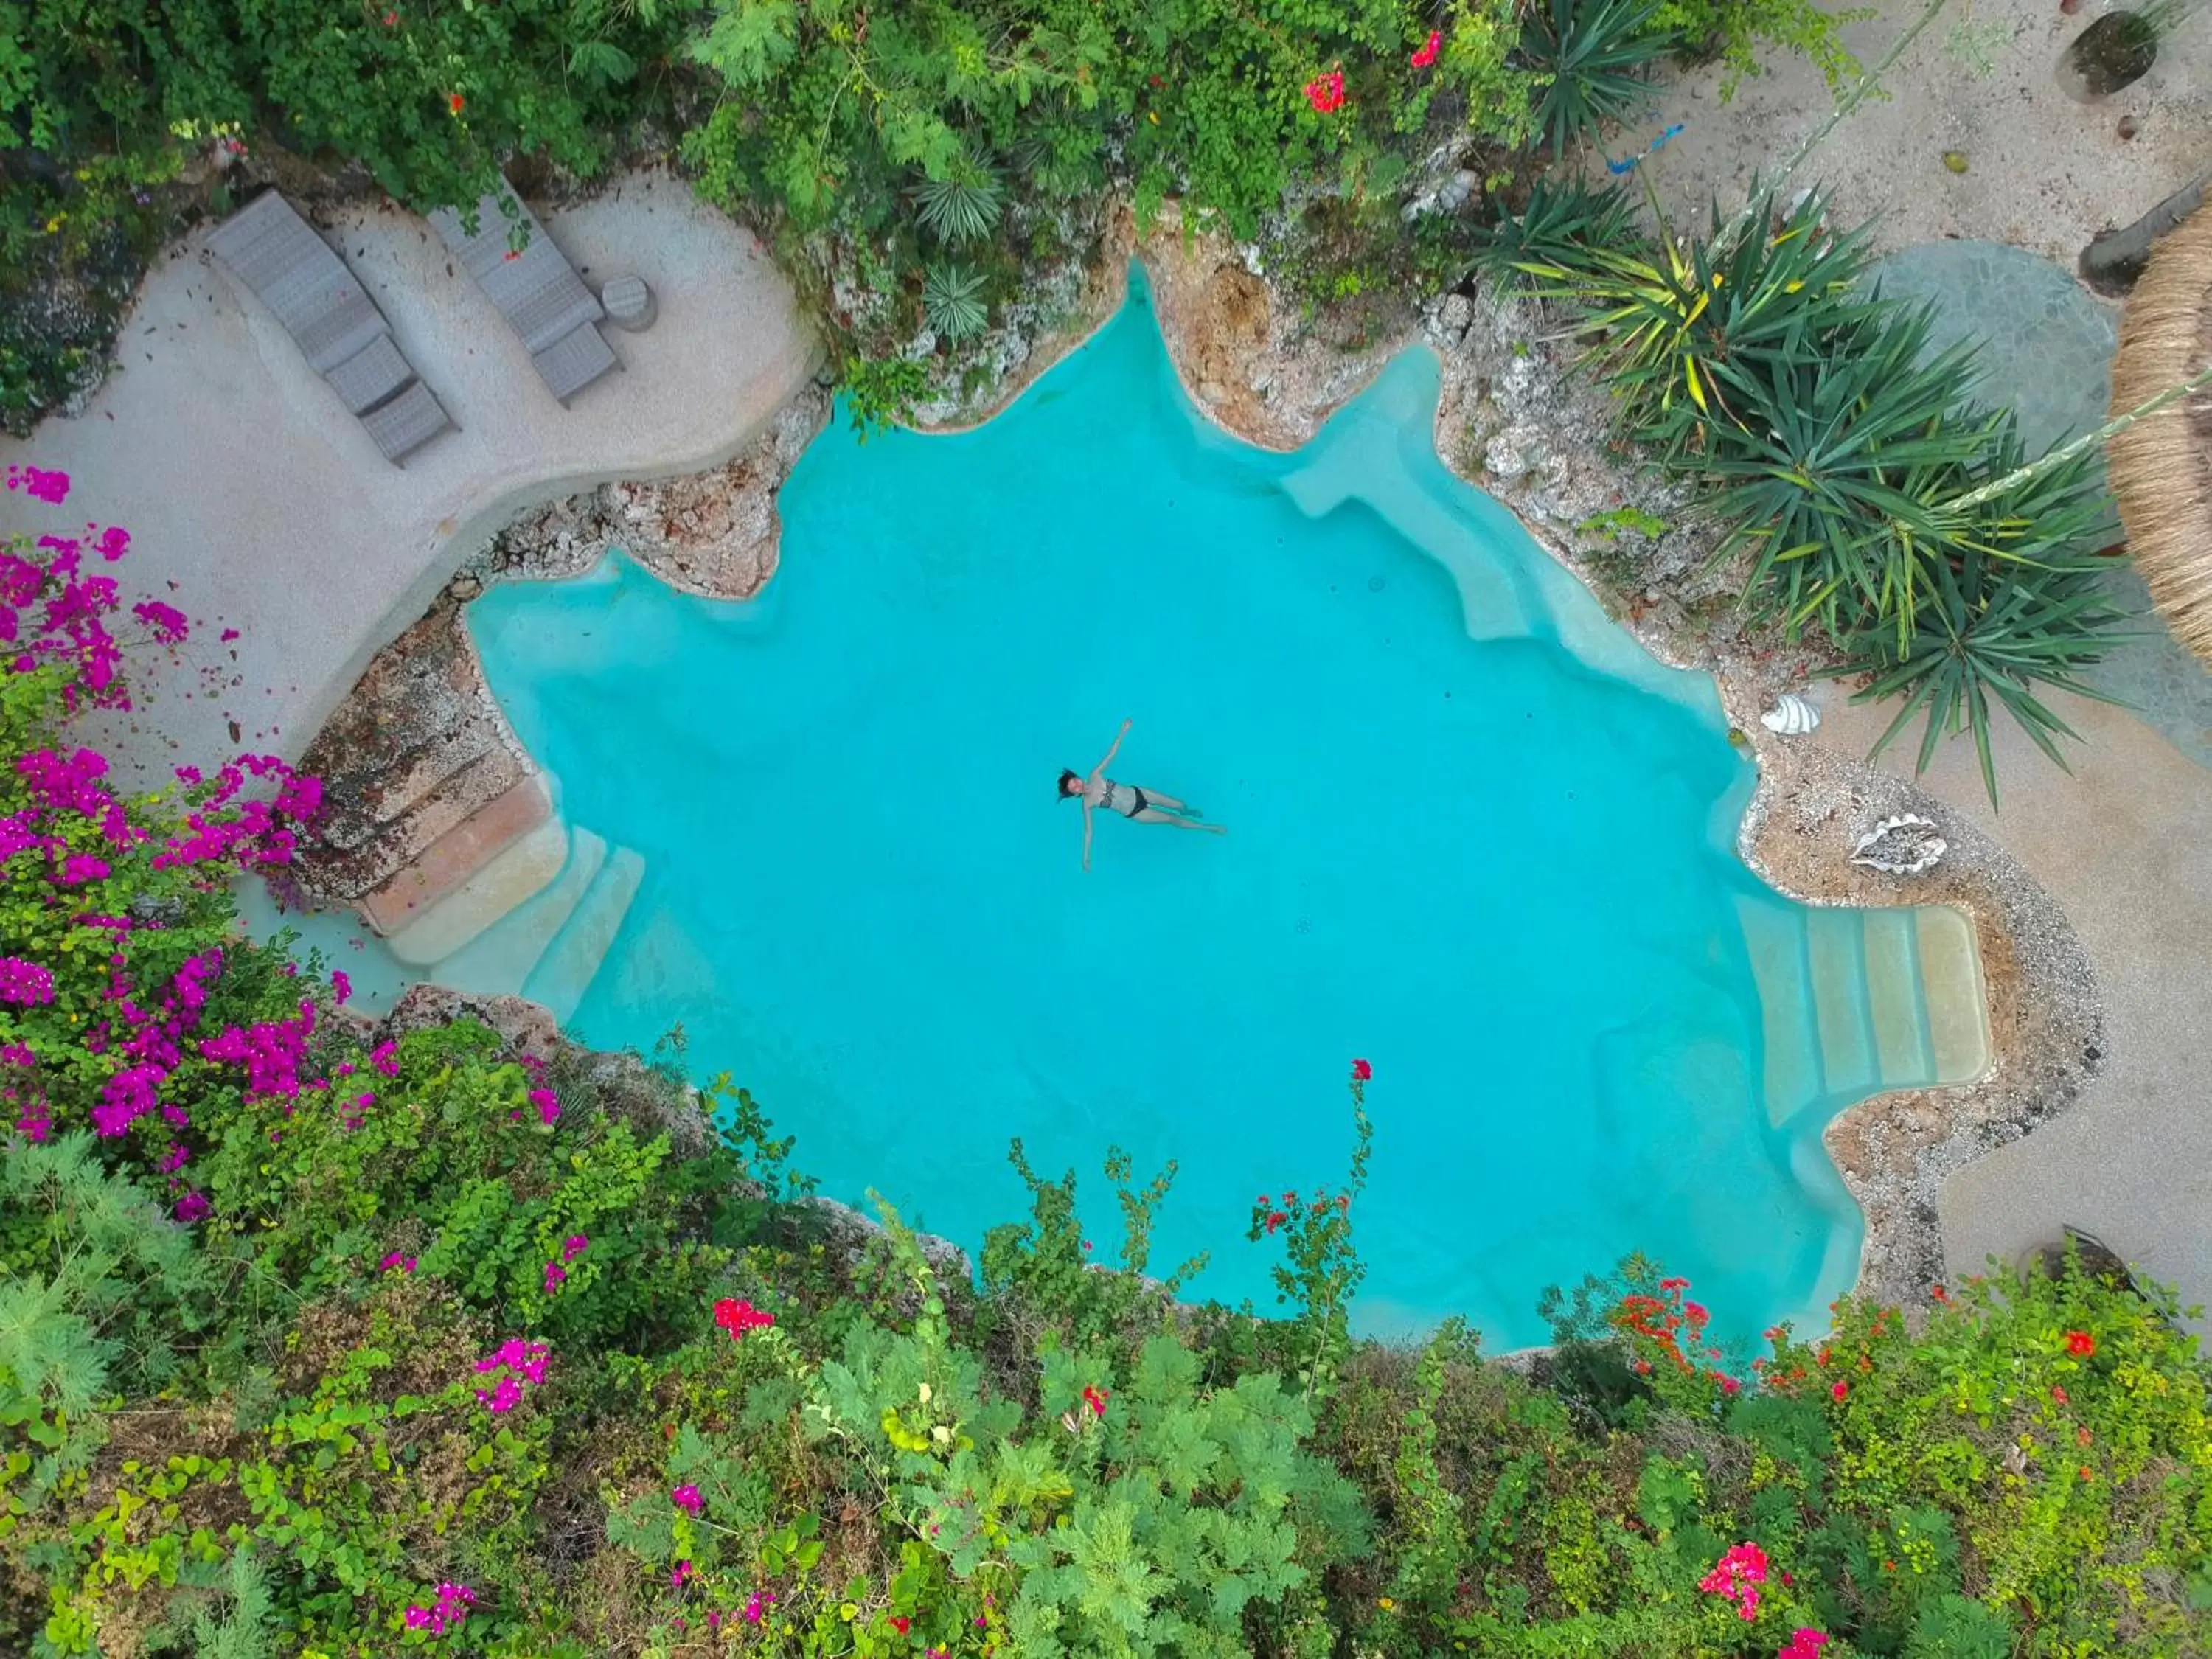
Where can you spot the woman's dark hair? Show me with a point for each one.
(1071, 783)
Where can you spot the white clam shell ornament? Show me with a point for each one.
(1906, 845)
(1791, 716)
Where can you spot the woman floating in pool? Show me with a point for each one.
(1139, 806)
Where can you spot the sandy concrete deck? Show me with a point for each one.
(2125, 845)
(246, 484)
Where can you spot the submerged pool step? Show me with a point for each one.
(1858, 1001)
(565, 972)
(499, 960)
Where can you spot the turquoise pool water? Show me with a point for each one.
(1500, 868)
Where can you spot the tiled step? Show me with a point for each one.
(498, 961)
(350, 857)
(1955, 994)
(564, 973)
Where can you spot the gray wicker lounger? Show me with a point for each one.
(536, 290)
(337, 326)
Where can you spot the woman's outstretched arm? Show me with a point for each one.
(1111, 752)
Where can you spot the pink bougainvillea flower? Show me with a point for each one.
(397, 1263)
(39, 484)
(192, 1206)
(1325, 92)
(341, 985)
(1427, 54)
(555, 1276)
(574, 1246)
(547, 1105)
(1737, 1575)
(756, 1606)
(1804, 1643)
(385, 1058)
(25, 982)
(1362, 1072)
(2080, 1344)
(682, 1572)
(687, 1497)
(452, 1605)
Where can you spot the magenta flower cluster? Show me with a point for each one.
(515, 1363)
(451, 1606)
(557, 1274)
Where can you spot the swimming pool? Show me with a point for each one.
(1475, 837)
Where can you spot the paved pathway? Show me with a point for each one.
(2122, 845)
(243, 482)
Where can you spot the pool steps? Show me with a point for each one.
(573, 955)
(1857, 1001)
(501, 958)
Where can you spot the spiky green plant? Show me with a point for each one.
(1565, 218)
(1827, 463)
(964, 204)
(1595, 52)
(952, 300)
(1670, 320)
(2013, 600)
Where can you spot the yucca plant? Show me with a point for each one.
(1594, 52)
(952, 300)
(1670, 320)
(1826, 463)
(963, 206)
(2013, 599)
(1564, 220)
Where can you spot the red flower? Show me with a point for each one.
(453, 102)
(1361, 1071)
(2085, 1474)
(509, 254)
(1095, 1398)
(1697, 1315)
(1326, 92)
(1840, 1389)
(1729, 1385)
(1938, 1293)
(1427, 54)
(2059, 1394)
(902, 1625)
(1276, 1218)
(2080, 1344)
(737, 1317)
(392, 20)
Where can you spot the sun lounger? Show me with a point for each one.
(406, 423)
(337, 326)
(536, 290)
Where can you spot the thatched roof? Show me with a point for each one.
(2162, 467)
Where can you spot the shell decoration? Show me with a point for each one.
(1906, 845)
(1791, 716)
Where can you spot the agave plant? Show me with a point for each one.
(964, 204)
(952, 300)
(1594, 52)
(2014, 601)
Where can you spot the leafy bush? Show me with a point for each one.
(1733, 31)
